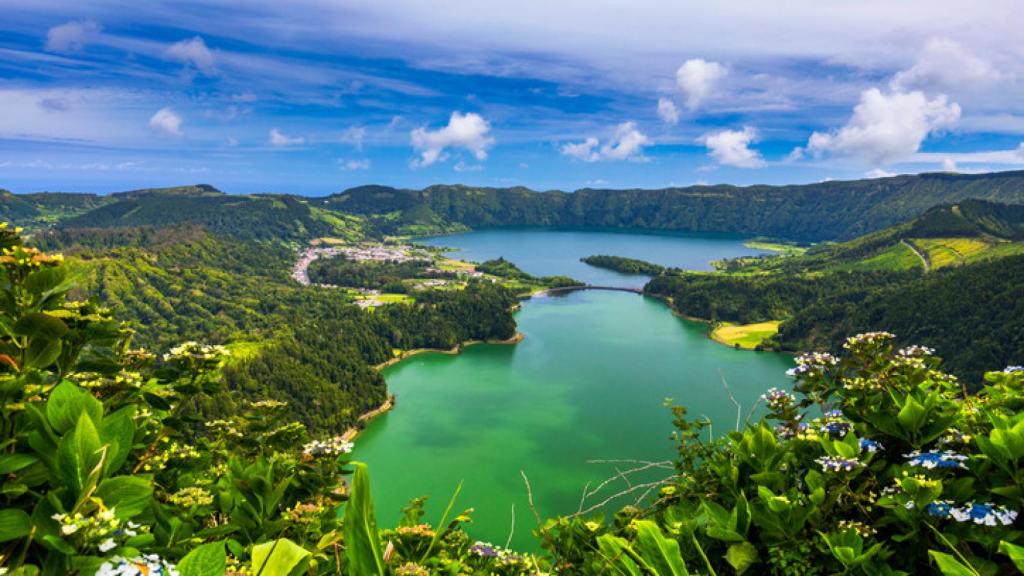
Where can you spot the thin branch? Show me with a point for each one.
(625, 492)
(512, 529)
(529, 497)
(622, 474)
(583, 498)
(753, 408)
(739, 407)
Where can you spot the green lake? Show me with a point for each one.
(587, 383)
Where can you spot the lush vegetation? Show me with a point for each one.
(110, 468)
(387, 276)
(958, 293)
(811, 212)
(624, 265)
(505, 269)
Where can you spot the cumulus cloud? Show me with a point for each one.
(467, 131)
(166, 122)
(626, 144)
(667, 111)
(71, 36)
(193, 53)
(359, 164)
(354, 136)
(945, 65)
(948, 164)
(732, 147)
(279, 139)
(886, 127)
(878, 173)
(697, 79)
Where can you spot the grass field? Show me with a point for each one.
(780, 247)
(951, 251)
(896, 257)
(746, 336)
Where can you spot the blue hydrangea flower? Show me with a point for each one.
(936, 459)
(988, 514)
(838, 463)
(1013, 369)
(869, 445)
(483, 549)
(940, 508)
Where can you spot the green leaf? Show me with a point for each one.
(1016, 553)
(47, 280)
(14, 462)
(661, 553)
(281, 557)
(78, 455)
(129, 496)
(39, 325)
(41, 353)
(14, 523)
(206, 560)
(949, 565)
(67, 402)
(911, 415)
(362, 543)
(741, 556)
(118, 430)
(616, 551)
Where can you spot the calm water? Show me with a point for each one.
(551, 252)
(587, 383)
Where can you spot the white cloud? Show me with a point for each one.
(468, 131)
(193, 53)
(732, 147)
(359, 164)
(71, 36)
(1010, 157)
(354, 135)
(948, 164)
(279, 139)
(462, 166)
(697, 79)
(886, 128)
(166, 122)
(667, 111)
(878, 173)
(626, 144)
(945, 65)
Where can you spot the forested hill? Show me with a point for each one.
(812, 212)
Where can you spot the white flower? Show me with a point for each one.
(107, 545)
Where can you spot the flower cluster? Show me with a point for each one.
(812, 363)
(326, 448)
(268, 404)
(191, 497)
(778, 400)
(417, 531)
(936, 459)
(954, 437)
(838, 463)
(148, 565)
(867, 338)
(1013, 369)
(987, 514)
(499, 555)
(860, 528)
(192, 351)
(834, 424)
(99, 530)
(411, 569)
(305, 512)
(225, 427)
(915, 351)
(860, 384)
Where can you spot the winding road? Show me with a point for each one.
(921, 255)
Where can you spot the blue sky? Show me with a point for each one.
(314, 96)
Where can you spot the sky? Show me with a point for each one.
(315, 96)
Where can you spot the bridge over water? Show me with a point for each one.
(593, 287)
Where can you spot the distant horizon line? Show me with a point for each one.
(992, 173)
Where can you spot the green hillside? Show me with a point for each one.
(812, 212)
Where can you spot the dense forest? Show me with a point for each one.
(386, 275)
(623, 264)
(811, 212)
(181, 283)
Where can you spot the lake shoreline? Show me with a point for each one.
(365, 418)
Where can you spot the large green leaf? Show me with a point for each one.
(41, 353)
(616, 552)
(39, 325)
(78, 455)
(14, 462)
(661, 553)
(950, 566)
(362, 543)
(127, 495)
(206, 560)
(1016, 553)
(14, 523)
(280, 558)
(67, 402)
(118, 430)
